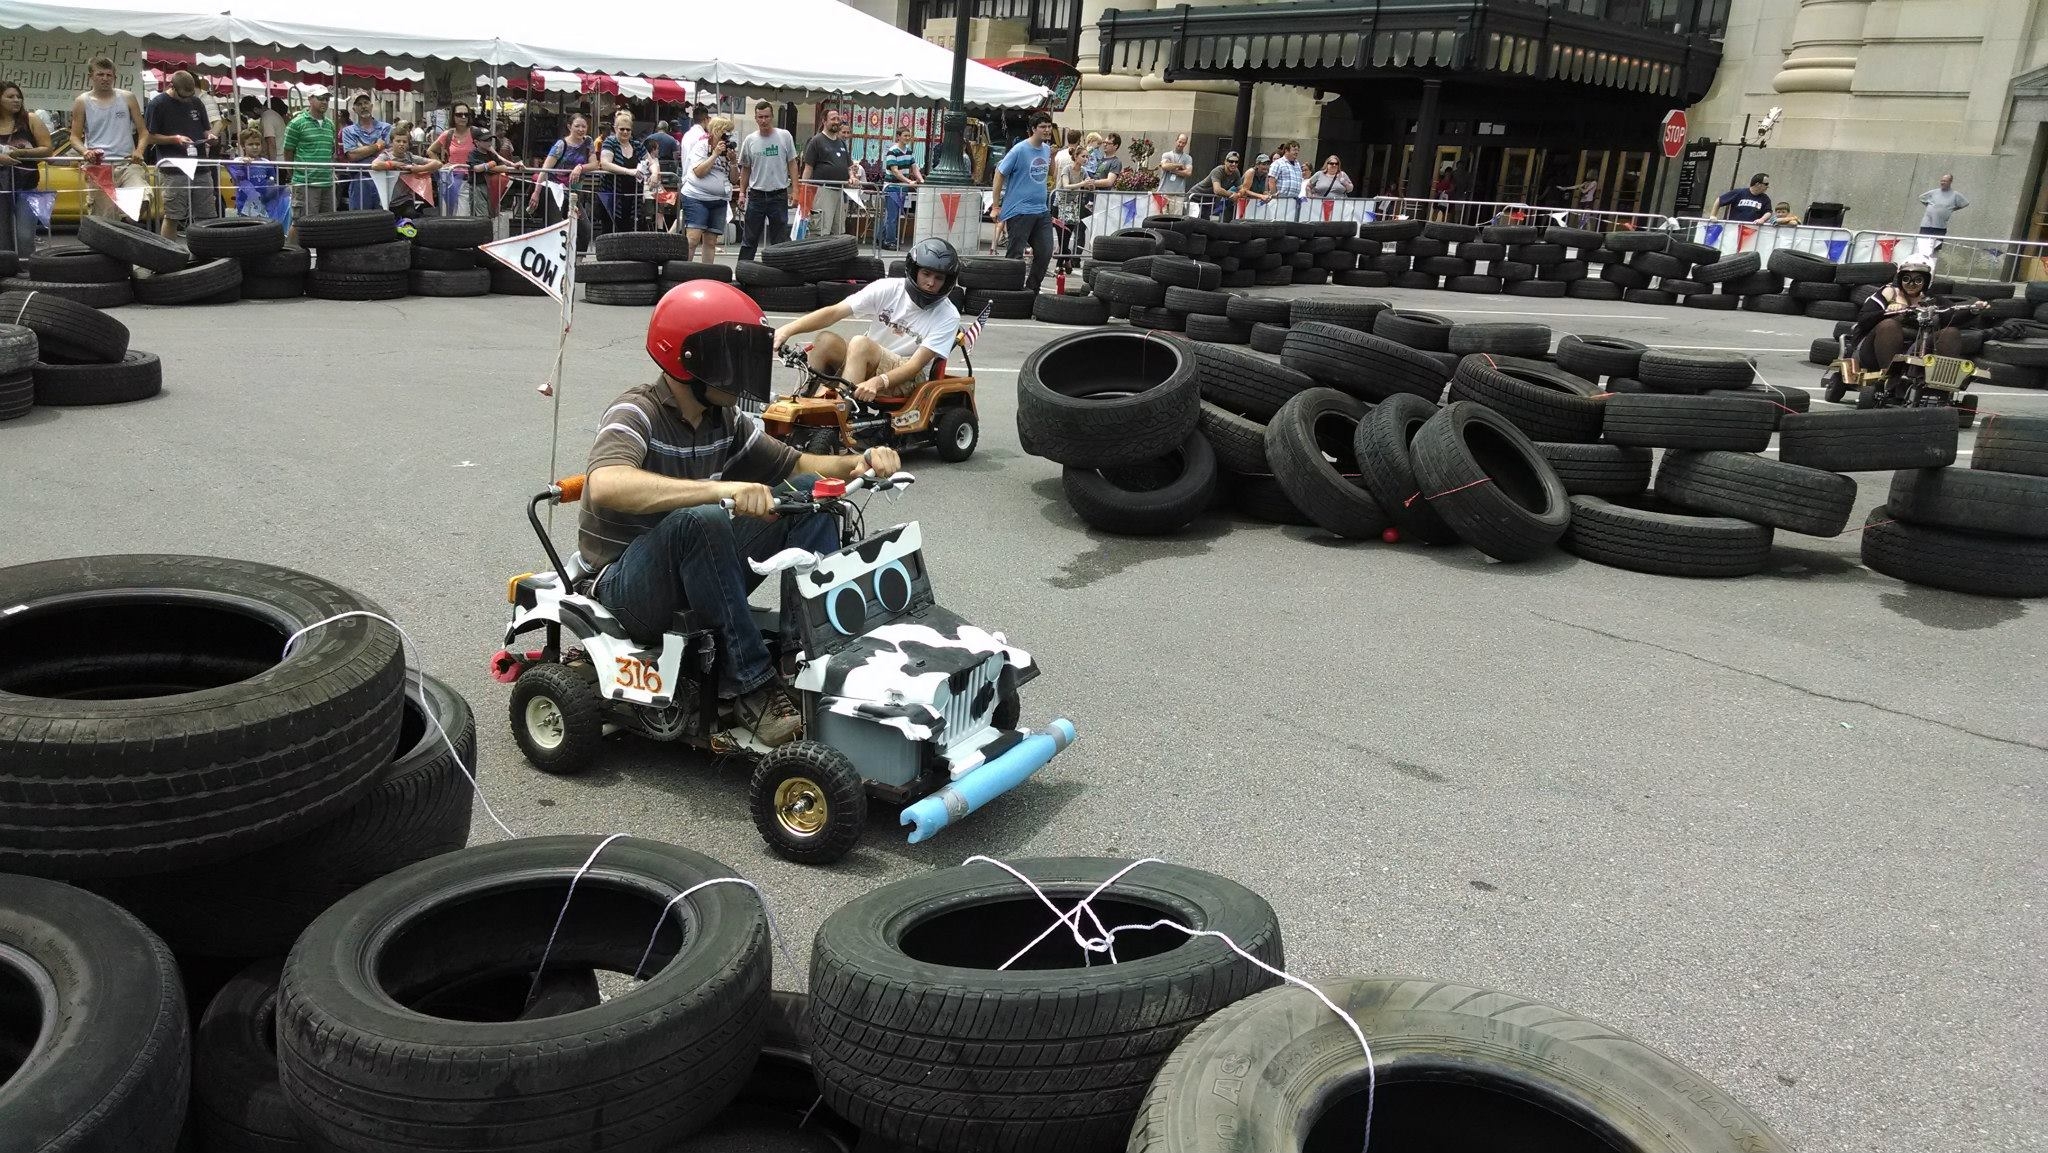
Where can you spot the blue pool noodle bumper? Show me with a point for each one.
(986, 782)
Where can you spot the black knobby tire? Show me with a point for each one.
(1784, 399)
(17, 349)
(439, 259)
(1244, 382)
(1002, 303)
(351, 228)
(1269, 338)
(364, 1071)
(1598, 469)
(637, 294)
(1824, 350)
(1179, 271)
(139, 376)
(1517, 234)
(285, 262)
(1117, 248)
(449, 282)
(675, 272)
(1128, 288)
(150, 723)
(1366, 366)
(1758, 489)
(1660, 264)
(1801, 267)
(614, 271)
(1648, 296)
(1866, 272)
(1541, 399)
(1054, 309)
(451, 233)
(1280, 1072)
(1593, 290)
(2012, 444)
(956, 433)
(1063, 406)
(1238, 442)
(132, 244)
(1712, 302)
(1775, 304)
(1196, 302)
(191, 285)
(557, 717)
(1488, 482)
(1658, 420)
(752, 274)
(328, 285)
(383, 257)
(1312, 444)
(1145, 498)
(257, 904)
(1644, 534)
(1387, 461)
(1424, 330)
(1991, 566)
(1259, 309)
(1593, 357)
(237, 1104)
(1444, 266)
(1581, 239)
(112, 1069)
(73, 266)
(1831, 310)
(1971, 500)
(17, 395)
(1729, 268)
(1479, 284)
(233, 236)
(808, 802)
(1049, 1054)
(66, 331)
(650, 248)
(1500, 339)
(816, 257)
(798, 299)
(2010, 352)
(1154, 319)
(1216, 329)
(1873, 440)
(1353, 314)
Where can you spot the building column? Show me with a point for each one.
(1422, 165)
(1826, 38)
(1087, 55)
(1241, 124)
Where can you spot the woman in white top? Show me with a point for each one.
(1329, 180)
(1070, 197)
(707, 187)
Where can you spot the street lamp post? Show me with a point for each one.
(952, 166)
(1743, 143)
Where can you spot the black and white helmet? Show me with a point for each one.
(1914, 265)
(933, 255)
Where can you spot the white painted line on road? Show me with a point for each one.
(1519, 312)
(1773, 451)
(1727, 348)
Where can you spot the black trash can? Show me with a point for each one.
(1826, 214)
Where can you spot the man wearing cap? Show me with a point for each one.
(1258, 183)
(1222, 183)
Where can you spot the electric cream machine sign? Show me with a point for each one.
(51, 66)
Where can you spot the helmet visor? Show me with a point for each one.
(732, 357)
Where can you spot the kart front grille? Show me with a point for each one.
(963, 718)
(1947, 372)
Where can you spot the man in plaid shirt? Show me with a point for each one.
(1286, 171)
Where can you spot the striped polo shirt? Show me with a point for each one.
(643, 429)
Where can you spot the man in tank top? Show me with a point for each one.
(106, 128)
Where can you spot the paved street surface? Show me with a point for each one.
(1785, 828)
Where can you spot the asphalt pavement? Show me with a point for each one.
(1786, 828)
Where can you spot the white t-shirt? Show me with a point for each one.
(899, 325)
(716, 183)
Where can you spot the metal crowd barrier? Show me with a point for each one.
(1970, 257)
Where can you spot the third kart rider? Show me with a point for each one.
(1880, 330)
(667, 452)
(912, 325)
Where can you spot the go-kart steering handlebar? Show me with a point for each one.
(809, 502)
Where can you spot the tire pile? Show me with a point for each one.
(1530, 450)
(55, 351)
(795, 276)
(1982, 529)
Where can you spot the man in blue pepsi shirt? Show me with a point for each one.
(1023, 211)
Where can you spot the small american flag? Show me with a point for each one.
(971, 331)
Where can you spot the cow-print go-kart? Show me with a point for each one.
(901, 699)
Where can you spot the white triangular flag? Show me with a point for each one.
(130, 201)
(541, 256)
(184, 164)
(385, 182)
(1560, 218)
(853, 195)
(560, 193)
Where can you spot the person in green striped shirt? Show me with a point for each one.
(310, 136)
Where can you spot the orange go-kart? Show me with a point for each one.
(823, 416)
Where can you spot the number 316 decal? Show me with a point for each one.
(637, 674)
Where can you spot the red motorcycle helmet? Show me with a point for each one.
(711, 333)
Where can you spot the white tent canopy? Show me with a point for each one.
(817, 45)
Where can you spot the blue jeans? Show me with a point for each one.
(696, 558)
(767, 211)
(1034, 229)
(895, 197)
(18, 222)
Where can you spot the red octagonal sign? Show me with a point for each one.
(1674, 133)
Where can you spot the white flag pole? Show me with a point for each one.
(561, 349)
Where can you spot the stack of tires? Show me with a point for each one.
(997, 284)
(269, 270)
(445, 260)
(798, 276)
(1982, 529)
(637, 267)
(357, 254)
(70, 354)
(167, 752)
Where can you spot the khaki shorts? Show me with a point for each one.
(189, 198)
(312, 200)
(828, 212)
(126, 175)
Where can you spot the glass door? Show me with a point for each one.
(1520, 171)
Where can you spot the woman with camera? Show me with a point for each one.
(707, 188)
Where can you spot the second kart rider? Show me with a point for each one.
(912, 325)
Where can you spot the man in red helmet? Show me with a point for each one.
(667, 452)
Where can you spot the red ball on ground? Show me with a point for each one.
(1391, 536)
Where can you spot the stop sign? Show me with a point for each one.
(1674, 133)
